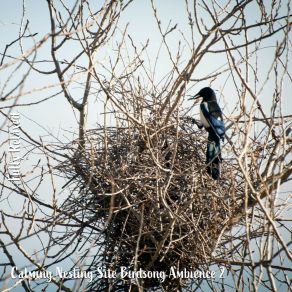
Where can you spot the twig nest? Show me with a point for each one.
(149, 192)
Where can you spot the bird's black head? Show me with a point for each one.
(207, 94)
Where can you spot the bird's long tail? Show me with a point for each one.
(213, 157)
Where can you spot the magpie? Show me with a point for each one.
(212, 120)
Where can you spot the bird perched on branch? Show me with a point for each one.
(212, 121)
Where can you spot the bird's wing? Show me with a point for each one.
(215, 121)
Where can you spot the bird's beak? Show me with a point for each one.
(195, 97)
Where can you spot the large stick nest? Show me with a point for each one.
(149, 191)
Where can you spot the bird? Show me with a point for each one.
(212, 120)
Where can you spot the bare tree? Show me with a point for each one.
(127, 205)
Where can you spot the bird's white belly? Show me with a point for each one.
(204, 122)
